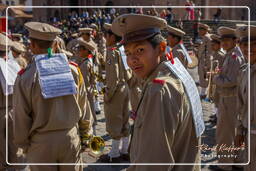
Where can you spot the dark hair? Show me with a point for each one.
(43, 44)
(179, 38)
(156, 40)
(118, 38)
(2, 53)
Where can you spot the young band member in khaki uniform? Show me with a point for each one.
(204, 53)
(174, 39)
(227, 83)
(18, 51)
(218, 57)
(164, 131)
(116, 101)
(87, 52)
(12, 148)
(48, 130)
(243, 91)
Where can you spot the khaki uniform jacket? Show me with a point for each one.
(115, 72)
(219, 56)
(34, 115)
(243, 99)
(116, 100)
(12, 148)
(135, 90)
(86, 67)
(227, 80)
(163, 131)
(178, 52)
(204, 53)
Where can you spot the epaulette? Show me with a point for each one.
(169, 57)
(73, 63)
(21, 71)
(158, 81)
(90, 56)
(234, 56)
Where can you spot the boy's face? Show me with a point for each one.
(83, 52)
(142, 58)
(215, 46)
(202, 31)
(86, 36)
(228, 43)
(172, 40)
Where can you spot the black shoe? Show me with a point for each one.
(125, 157)
(213, 120)
(202, 97)
(106, 159)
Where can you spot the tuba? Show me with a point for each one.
(95, 143)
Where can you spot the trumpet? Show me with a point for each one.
(95, 143)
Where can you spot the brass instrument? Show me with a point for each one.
(98, 77)
(194, 62)
(95, 143)
(211, 87)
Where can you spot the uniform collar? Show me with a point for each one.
(154, 74)
(176, 47)
(231, 51)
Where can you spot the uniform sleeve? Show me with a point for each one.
(240, 103)
(113, 75)
(182, 57)
(159, 125)
(229, 77)
(22, 114)
(85, 122)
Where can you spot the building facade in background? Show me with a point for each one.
(43, 14)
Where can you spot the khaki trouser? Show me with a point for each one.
(226, 123)
(55, 147)
(12, 149)
(117, 114)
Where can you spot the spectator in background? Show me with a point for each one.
(163, 14)
(216, 16)
(180, 24)
(192, 11)
(169, 16)
(188, 9)
(198, 14)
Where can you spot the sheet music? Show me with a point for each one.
(186, 53)
(55, 75)
(124, 57)
(178, 69)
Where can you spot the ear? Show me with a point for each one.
(161, 48)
